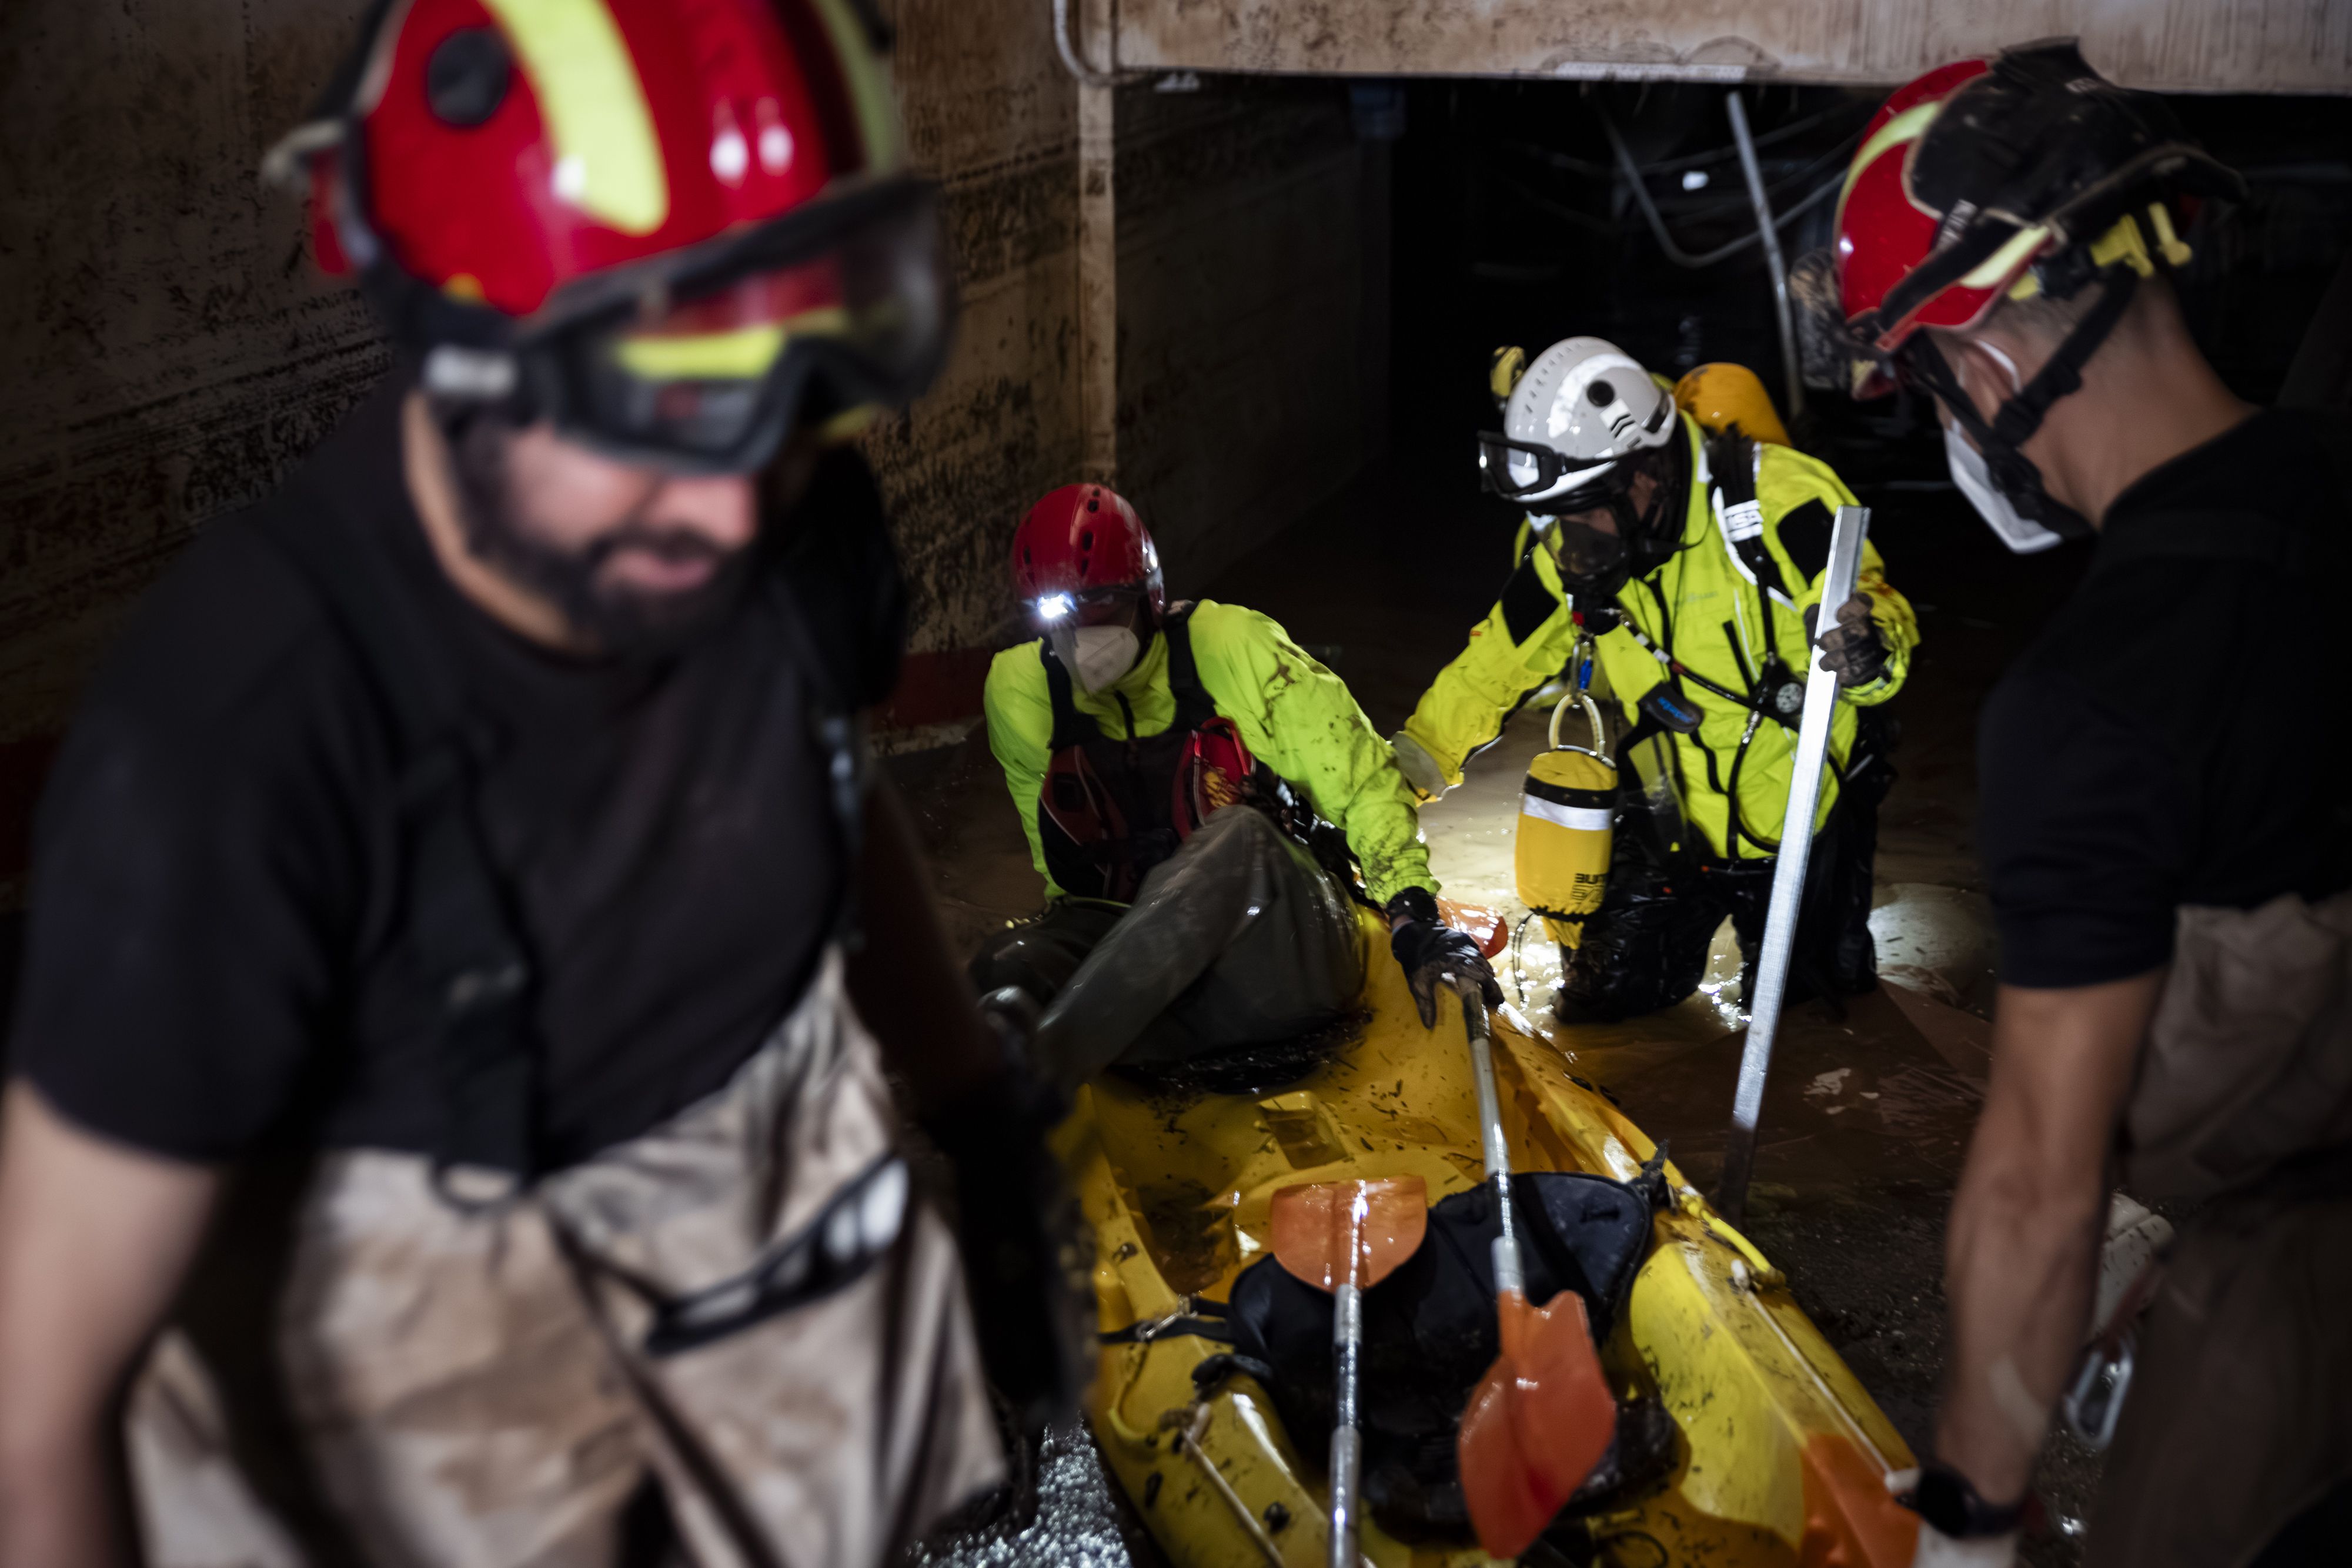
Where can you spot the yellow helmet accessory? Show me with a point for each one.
(1502, 372)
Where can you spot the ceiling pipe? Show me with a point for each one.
(1770, 235)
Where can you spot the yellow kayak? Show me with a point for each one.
(1783, 1459)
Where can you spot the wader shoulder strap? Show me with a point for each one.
(1527, 602)
(459, 922)
(1195, 706)
(837, 729)
(1732, 461)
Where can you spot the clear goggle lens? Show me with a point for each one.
(708, 371)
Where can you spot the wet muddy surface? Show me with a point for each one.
(1870, 1104)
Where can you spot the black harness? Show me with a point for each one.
(1106, 807)
(1111, 808)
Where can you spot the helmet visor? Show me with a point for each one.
(705, 369)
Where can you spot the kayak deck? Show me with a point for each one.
(1783, 1459)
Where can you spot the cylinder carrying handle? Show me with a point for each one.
(1592, 716)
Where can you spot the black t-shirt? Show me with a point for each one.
(2177, 735)
(213, 963)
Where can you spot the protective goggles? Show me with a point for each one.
(1521, 470)
(703, 363)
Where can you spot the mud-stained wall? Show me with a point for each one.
(991, 113)
(2178, 45)
(169, 350)
(1251, 221)
(166, 350)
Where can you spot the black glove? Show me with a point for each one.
(1851, 648)
(1433, 953)
(1027, 1259)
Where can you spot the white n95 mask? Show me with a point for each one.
(1097, 656)
(2020, 533)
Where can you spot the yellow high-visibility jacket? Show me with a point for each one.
(1702, 607)
(1295, 716)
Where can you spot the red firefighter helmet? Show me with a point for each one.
(2027, 173)
(1084, 542)
(662, 224)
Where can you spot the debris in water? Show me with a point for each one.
(1065, 1509)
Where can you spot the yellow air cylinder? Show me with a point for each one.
(1562, 850)
(1725, 396)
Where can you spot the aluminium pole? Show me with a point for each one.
(1789, 869)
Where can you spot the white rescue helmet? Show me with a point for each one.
(1581, 406)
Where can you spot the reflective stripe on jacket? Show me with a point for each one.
(1296, 717)
(1703, 608)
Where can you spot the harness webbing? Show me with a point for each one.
(1195, 706)
(480, 973)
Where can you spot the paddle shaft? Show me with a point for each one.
(1508, 1277)
(1789, 871)
(1347, 1350)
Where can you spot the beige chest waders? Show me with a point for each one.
(1562, 852)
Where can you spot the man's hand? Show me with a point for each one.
(2022, 1255)
(1852, 647)
(1433, 954)
(93, 1240)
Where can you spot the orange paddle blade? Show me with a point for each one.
(1487, 926)
(1312, 1227)
(1536, 1424)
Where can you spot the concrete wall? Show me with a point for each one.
(991, 113)
(166, 350)
(1251, 316)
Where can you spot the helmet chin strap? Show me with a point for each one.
(2001, 440)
